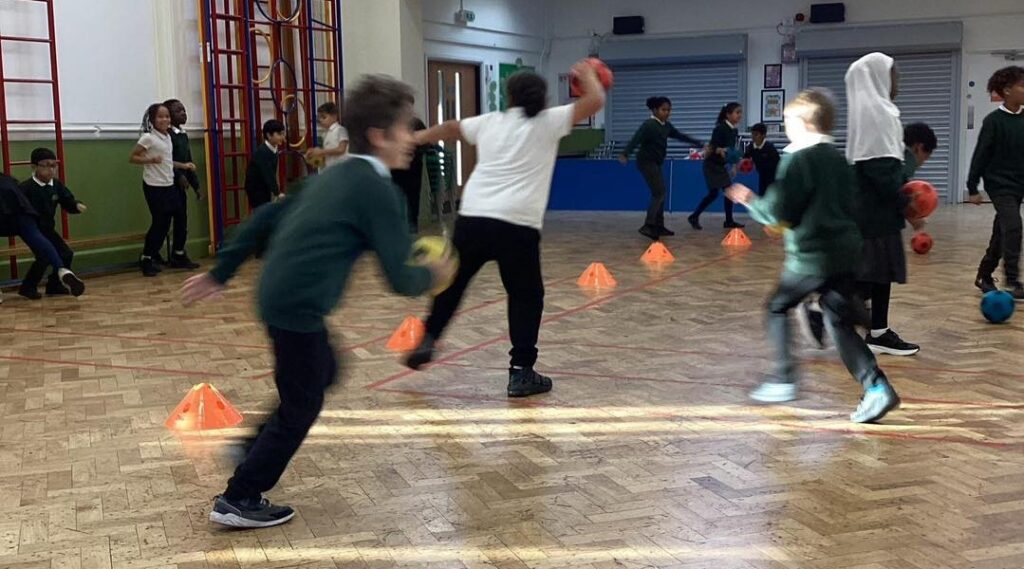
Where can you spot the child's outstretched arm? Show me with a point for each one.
(633, 143)
(683, 137)
(253, 235)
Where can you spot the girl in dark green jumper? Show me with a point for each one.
(716, 164)
(875, 148)
(652, 140)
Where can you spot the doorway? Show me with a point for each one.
(454, 93)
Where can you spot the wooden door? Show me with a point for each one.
(453, 92)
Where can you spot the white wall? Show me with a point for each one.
(988, 25)
(115, 57)
(504, 31)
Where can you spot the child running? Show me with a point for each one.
(716, 170)
(349, 210)
(999, 161)
(652, 141)
(502, 212)
(814, 202)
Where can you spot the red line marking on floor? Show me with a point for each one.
(157, 340)
(564, 314)
(112, 366)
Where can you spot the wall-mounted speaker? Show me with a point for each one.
(833, 13)
(628, 25)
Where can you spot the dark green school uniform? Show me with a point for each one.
(651, 141)
(716, 173)
(45, 199)
(999, 161)
(181, 151)
(261, 176)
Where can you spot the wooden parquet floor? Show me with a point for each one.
(646, 454)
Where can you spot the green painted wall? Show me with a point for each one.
(98, 173)
(581, 141)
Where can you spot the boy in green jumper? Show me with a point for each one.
(45, 192)
(813, 200)
(315, 240)
(999, 160)
(261, 174)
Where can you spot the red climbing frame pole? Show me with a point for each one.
(5, 119)
(251, 76)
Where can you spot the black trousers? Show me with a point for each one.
(655, 179)
(1005, 241)
(842, 310)
(516, 248)
(304, 367)
(709, 199)
(167, 206)
(38, 269)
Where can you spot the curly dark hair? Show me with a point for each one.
(1005, 78)
(528, 90)
(920, 133)
(377, 101)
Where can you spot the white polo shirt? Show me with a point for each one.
(515, 163)
(158, 144)
(336, 134)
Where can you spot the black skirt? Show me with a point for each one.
(883, 260)
(715, 174)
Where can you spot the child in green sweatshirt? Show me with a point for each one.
(314, 241)
(813, 200)
(999, 161)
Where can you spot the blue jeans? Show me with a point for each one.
(41, 247)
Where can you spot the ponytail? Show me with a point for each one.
(726, 111)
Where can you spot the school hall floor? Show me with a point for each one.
(646, 454)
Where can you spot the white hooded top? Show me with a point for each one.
(874, 129)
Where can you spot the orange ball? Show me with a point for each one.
(604, 75)
(923, 199)
(921, 243)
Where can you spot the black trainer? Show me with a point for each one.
(29, 293)
(182, 261)
(986, 284)
(250, 513)
(74, 284)
(666, 231)
(891, 343)
(650, 232)
(159, 260)
(733, 225)
(54, 288)
(812, 324)
(149, 267)
(524, 382)
(695, 222)
(422, 355)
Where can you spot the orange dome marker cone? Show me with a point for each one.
(657, 254)
(597, 276)
(203, 408)
(736, 238)
(408, 336)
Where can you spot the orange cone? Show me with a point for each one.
(657, 253)
(736, 238)
(203, 408)
(408, 336)
(597, 276)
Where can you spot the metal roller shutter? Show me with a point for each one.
(697, 90)
(926, 94)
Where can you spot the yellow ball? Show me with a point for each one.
(430, 250)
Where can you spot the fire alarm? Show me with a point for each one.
(800, 17)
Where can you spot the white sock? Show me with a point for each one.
(62, 272)
(179, 253)
(879, 333)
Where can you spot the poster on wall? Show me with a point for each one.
(506, 70)
(773, 76)
(772, 103)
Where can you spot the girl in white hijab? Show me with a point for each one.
(874, 145)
